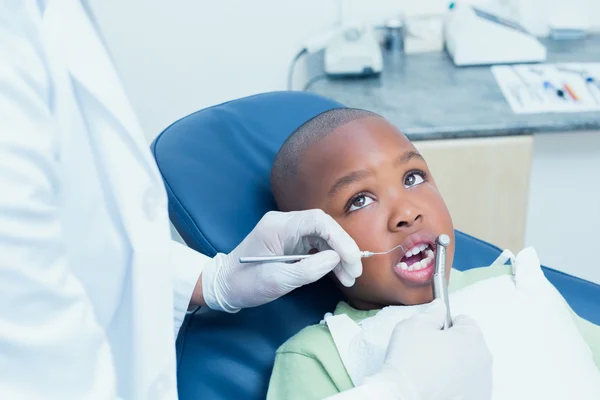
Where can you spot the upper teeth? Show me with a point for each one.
(416, 249)
(419, 264)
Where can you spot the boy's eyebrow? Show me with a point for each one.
(347, 180)
(409, 155)
(356, 176)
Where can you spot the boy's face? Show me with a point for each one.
(371, 179)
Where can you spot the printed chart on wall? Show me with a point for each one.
(546, 88)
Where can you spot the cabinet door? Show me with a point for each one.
(485, 185)
(563, 218)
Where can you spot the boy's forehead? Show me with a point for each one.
(358, 141)
(366, 143)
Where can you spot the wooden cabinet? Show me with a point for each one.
(485, 183)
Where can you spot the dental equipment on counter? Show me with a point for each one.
(423, 29)
(439, 283)
(543, 88)
(353, 51)
(350, 51)
(591, 83)
(483, 36)
(263, 259)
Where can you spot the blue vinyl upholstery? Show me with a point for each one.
(216, 164)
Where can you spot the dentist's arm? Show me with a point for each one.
(188, 265)
(426, 363)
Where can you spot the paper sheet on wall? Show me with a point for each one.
(550, 88)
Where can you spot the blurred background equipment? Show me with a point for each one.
(480, 35)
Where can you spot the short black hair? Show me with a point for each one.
(287, 161)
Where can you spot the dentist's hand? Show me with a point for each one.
(229, 286)
(426, 363)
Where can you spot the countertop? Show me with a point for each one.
(429, 98)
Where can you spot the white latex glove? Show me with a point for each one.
(424, 362)
(230, 286)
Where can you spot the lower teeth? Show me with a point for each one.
(419, 264)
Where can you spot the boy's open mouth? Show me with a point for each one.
(418, 263)
(418, 257)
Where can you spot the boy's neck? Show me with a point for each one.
(367, 306)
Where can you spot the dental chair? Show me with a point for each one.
(216, 164)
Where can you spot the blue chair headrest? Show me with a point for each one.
(216, 165)
(220, 158)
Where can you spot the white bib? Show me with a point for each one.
(537, 350)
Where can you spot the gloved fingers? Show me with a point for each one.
(462, 320)
(346, 273)
(310, 269)
(318, 223)
(351, 270)
(432, 318)
(316, 242)
(468, 330)
(466, 325)
(343, 276)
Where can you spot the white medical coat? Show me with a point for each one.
(90, 281)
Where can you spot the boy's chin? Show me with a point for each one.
(414, 299)
(422, 296)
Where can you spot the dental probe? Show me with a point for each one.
(439, 283)
(270, 259)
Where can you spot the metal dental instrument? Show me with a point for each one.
(270, 259)
(440, 285)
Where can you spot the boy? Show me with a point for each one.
(367, 175)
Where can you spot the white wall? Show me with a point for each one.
(176, 57)
(535, 15)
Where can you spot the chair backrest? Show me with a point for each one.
(216, 165)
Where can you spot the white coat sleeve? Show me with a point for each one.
(50, 343)
(188, 265)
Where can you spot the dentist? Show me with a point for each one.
(92, 288)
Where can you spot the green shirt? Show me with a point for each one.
(308, 365)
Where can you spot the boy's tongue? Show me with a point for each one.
(412, 259)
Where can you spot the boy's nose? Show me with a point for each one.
(406, 215)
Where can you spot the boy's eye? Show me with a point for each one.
(413, 179)
(360, 202)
